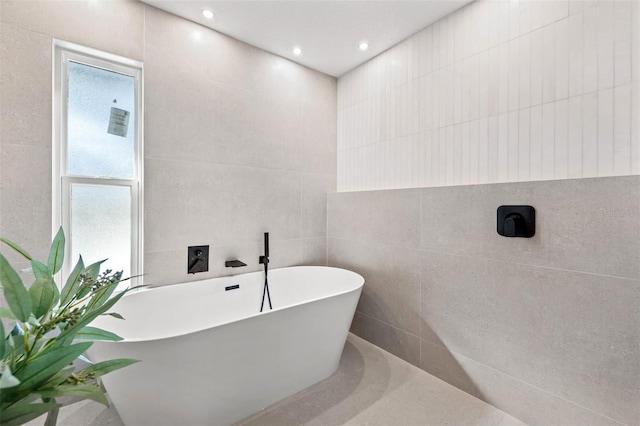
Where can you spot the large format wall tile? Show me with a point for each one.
(214, 122)
(190, 202)
(114, 26)
(573, 334)
(586, 225)
(314, 190)
(392, 280)
(528, 403)
(552, 319)
(25, 195)
(387, 217)
(25, 102)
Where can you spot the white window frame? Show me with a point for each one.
(63, 52)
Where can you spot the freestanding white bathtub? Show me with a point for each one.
(209, 357)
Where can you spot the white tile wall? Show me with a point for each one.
(499, 91)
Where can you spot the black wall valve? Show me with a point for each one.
(516, 221)
(197, 259)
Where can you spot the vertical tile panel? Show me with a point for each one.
(483, 150)
(514, 74)
(635, 129)
(483, 84)
(465, 91)
(561, 146)
(427, 51)
(466, 154)
(622, 41)
(590, 52)
(590, 135)
(574, 168)
(525, 16)
(492, 164)
(605, 132)
(450, 103)
(524, 59)
(575, 54)
(606, 51)
(622, 131)
(514, 19)
(474, 87)
(548, 141)
(562, 58)
(450, 156)
(536, 66)
(548, 63)
(503, 147)
(457, 154)
(435, 157)
(442, 153)
(494, 81)
(535, 147)
(524, 138)
(458, 92)
(435, 40)
(503, 74)
(513, 146)
(474, 154)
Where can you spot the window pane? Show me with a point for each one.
(101, 226)
(101, 123)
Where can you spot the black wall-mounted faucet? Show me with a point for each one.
(234, 263)
(197, 259)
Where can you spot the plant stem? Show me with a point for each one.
(52, 416)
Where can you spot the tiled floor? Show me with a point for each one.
(371, 387)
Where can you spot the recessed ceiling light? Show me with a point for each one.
(363, 45)
(207, 13)
(297, 51)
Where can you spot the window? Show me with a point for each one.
(97, 158)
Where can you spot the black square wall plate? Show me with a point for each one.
(516, 221)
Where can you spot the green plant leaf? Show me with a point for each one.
(115, 315)
(93, 270)
(16, 247)
(73, 282)
(90, 391)
(14, 291)
(49, 363)
(21, 414)
(56, 252)
(3, 344)
(94, 333)
(6, 313)
(40, 270)
(105, 367)
(42, 294)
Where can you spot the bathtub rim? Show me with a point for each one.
(172, 336)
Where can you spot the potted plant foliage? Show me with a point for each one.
(47, 329)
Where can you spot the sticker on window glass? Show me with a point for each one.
(118, 122)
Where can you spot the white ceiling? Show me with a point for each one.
(328, 31)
